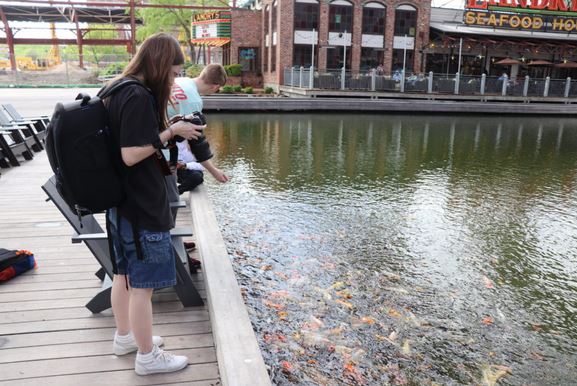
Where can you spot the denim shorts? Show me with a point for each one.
(157, 269)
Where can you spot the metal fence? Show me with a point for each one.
(64, 70)
(431, 83)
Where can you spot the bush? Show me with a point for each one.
(268, 90)
(113, 69)
(247, 90)
(193, 70)
(237, 88)
(226, 89)
(233, 69)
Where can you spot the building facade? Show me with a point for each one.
(361, 34)
(389, 35)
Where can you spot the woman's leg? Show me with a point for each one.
(120, 300)
(141, 318)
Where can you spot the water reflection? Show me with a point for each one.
(458, 234)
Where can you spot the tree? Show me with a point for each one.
(98, 54)
(173, 19)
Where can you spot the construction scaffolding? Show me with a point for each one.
(122, 15)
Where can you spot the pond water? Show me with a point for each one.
(420, 250)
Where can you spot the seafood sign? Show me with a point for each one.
(538, 15)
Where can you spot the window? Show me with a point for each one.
(306, 16)
(340, 17)
(335, 58)
(302, 55)
(398, 61)
(265, 60)
(266, 19)
(374, 19)
(405, 22)
(371, 58)
(273, 17)
(247, 58)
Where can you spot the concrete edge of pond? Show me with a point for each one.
(391, 105)
(240, 360)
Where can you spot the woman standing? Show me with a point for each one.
(140, 226)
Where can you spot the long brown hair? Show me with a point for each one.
(152, 63)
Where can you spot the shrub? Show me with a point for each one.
(233, 69)
(237, 88)
(226, 89)
(247, 90)
(113, 69)
(268, 90)
(193, 70)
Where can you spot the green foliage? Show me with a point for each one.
(237, 88)
(247, 90)
(233, 69)
(171, 20)
(113, 69)
(33, 51)
(99, 55)
(193, 70)
(226, 89)
(268, 90)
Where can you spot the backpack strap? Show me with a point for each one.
(109, 90)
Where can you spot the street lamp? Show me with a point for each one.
(343, 35)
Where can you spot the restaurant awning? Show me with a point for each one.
(539, 62)
(508, 62)
(213, 42)
(566, 65)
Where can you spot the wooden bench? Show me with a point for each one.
(91, 233)
(12, 112)
(13, 144)
(28, 129)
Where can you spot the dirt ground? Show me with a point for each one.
(58, 75)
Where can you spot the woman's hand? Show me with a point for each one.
(186, 130)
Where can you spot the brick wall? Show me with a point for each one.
(245, 32)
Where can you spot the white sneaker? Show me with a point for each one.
(159, 361)
(126, 344)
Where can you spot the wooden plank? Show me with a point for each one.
(85, 293)
(39, 277)
(92, 364)
(204, 372)
(51, 286)
(71, 350)
(96, 321)
(36, 339)
(73, 313)
(47, 337)
(239, 357)
(78, 302)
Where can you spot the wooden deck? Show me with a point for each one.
(47, 336)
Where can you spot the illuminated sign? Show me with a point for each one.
(205, 16)
(525, 6)
(211, 25)
(536, 15)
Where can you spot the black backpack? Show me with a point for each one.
(83, 154)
